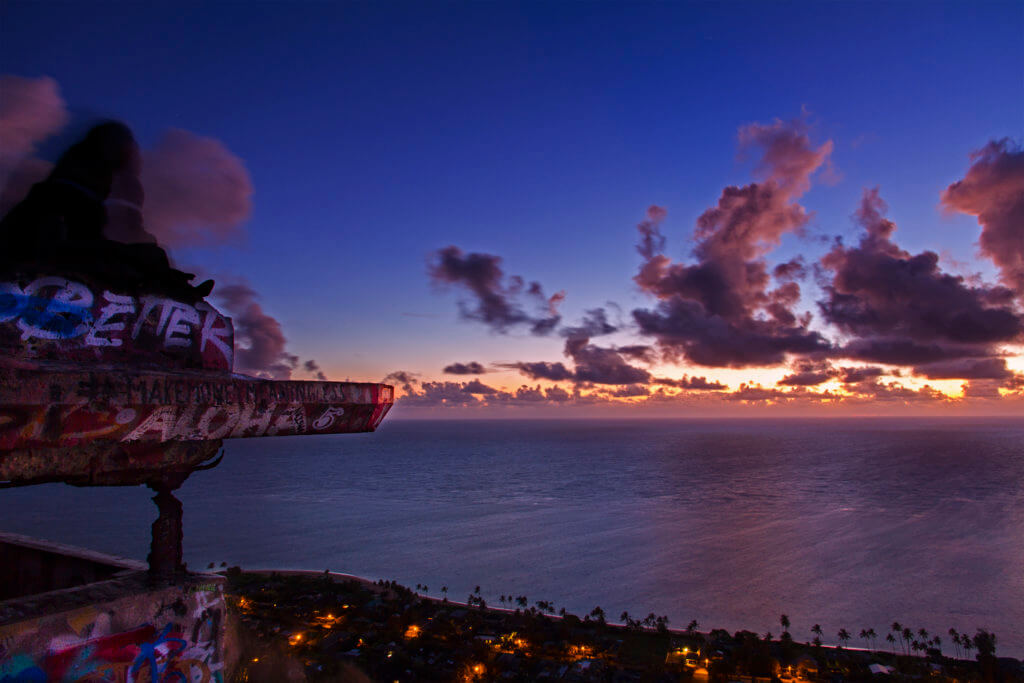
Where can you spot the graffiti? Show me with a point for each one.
(80, 407)
(71, 425)
(72, 317)
(93, 644)
(213, 391)
(327, 419)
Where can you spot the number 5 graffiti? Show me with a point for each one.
(328, 418)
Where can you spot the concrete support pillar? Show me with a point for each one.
(165, 563)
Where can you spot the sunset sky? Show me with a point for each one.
(572, 209)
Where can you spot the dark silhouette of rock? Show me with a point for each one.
(86, 218)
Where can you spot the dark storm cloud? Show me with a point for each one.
(497, 300)
(471, 368)
(602, 365)
(639, 352)
(965, 368)
(901, 309)
(556, 372)
(993, 190)
(592, 364)
(856, 375)
(721, 310)
(684, 327)
(809, 374)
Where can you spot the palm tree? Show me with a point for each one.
(444, 592)
(844, 636)
(692, 626)
(908, 636)
(956, 641)
(892, 642)
(937, 643)
(897, 628)
(923, 633)
(864, 635)
(816, 630)
(968, 645)
(784, 621)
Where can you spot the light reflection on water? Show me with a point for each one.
(850, 525)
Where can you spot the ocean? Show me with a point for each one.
(843, 523)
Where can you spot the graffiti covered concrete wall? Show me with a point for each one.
(170, 634)
(56, 318)
(72, 408)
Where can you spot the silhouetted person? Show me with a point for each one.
(86, 217)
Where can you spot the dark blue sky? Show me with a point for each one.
(378, 132)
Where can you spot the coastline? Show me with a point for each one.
(340, 626)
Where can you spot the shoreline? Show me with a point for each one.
(788, 655)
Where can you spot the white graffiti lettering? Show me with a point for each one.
(57, 309)
(117, 305)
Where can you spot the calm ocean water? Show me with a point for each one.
(850, 524)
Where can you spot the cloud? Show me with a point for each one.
(993, 190)
(652, 242)
(694, 383)
(899, 308)
(406, 380)
(721, 311)
(31, 110)
(808, 374)
(594, 324)
(311, 366)
(478, 387)
(259, 340)
(966, 368)
(639, 352)
(593, 365)
(855, 375)
(602, 365)
(555, 372)
(197, 192)
(450, 394)
(497, 299)
(471, 368)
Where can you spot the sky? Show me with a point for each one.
(572, 209)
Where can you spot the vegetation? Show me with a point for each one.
(322, 629)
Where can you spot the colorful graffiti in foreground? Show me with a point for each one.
(181, 641)
(52, 317)
(72, 408)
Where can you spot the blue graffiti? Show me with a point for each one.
(46, 317)
(21, 669)
(148, 655)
